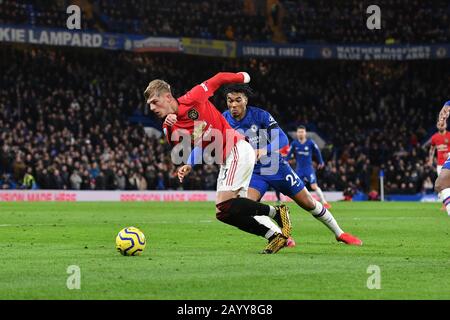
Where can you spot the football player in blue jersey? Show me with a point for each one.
(303, 149)
(271, 169)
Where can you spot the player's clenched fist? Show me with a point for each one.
(246, 77)
(183, 171)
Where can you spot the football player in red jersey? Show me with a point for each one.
(199, 125)
(440, 141)
(442, 184)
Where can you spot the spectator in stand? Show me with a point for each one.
(28, 180)
(120, 180)
(75, 180)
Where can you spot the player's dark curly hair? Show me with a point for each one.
(238, 88)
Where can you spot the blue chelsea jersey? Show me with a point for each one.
(254, 120)
(303, 153)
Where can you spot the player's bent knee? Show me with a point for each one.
(443, 181)
(253, 194)
(223, 211)
(310, 204)
(440, 185)
(437, 186)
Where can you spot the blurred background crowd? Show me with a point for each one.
(71, 118)
(403, 21)
(65, 117)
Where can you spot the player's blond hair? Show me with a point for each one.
(156, 87)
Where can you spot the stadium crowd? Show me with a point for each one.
(63, 125)
(65, 117)
(403, 21)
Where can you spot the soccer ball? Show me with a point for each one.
(130, 241)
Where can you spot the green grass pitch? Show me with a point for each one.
(191, 255)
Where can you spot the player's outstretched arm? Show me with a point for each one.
(278, 139)
(443, 114)
(207, 88)
(431, 155)
(290, 152)
(194, 158)
(318, 155)
(222, 78)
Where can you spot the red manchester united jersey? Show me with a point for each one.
(442, 143)
(199, 118)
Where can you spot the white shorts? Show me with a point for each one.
(236, 172)
(439, 168)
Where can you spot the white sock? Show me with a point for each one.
(272, 211)
(269, 233)
(273, 228)
(322, 214)
(444, 195)
(321, 196)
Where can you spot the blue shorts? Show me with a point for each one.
(307, 176)
(286, 181)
